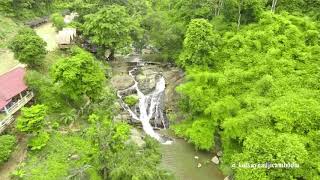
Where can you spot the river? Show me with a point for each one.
(179, 158)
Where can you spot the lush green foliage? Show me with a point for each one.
(199, 132)
(39, 141)
(131, 100)
(30, 9)
(79, 75)
(7, 33)
(252, 86)
(76, 90)
(42, 86)
(57, 20)
(28, 47)
(123, 159)
(32, 118)
(112, 22)
(55, 159)
(199, 44)
(7, 143)
(261, 97)
(128, 164)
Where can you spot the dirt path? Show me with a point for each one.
(7, 60)
(17, 156)
(48, 33)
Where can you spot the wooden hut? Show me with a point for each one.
(66, 37)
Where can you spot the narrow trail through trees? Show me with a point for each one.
(19, 154)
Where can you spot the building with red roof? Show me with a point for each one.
(11, 85)
(14, 93)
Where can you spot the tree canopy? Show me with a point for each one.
(109, 27)
(79, 76)
(199, 44)
(28, 47)
(262, 99)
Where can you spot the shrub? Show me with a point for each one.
(57, 20)
(201, 134)
(7, 143)
(131, 100)
(32, 118)
(39, 141)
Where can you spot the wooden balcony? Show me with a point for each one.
(4, 123)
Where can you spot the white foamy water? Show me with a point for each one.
(149, 106)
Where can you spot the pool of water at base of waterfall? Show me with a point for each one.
(179, 158)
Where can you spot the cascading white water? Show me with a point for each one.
(147, 113)
(149, 105)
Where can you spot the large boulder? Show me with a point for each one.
(219, 153)
(121, 82)
(147, 80)
(215, 160)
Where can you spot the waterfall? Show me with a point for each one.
(149, 105)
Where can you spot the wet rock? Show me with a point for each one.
(123, 116)
(219, 153)
(122, 81)
(199, 165)
(166, 140)
(227, 178)
(146, 51)
(173, 79)
(196, 157)
(160, 120)
(215, 160)
(147, 80)
(136, 137)
(74, 157)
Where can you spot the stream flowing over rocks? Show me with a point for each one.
(147, 81)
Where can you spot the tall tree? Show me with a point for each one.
(243, 11)
(110, 28)
(273, 6)
(199, 44)
(239, 13)
(79, 76)
(28, 47)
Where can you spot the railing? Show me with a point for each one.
(6, 122)
(20, 103)
(13, 109)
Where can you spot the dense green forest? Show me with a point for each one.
(250, 88)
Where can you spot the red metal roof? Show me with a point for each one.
(11, 84)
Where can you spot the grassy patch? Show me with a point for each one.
(56, 160)
(7, 143)
(49, 34)
(7, 60)
(8, 30)
(51, 58)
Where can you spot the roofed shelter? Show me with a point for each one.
(66, 37)
(14, 94)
